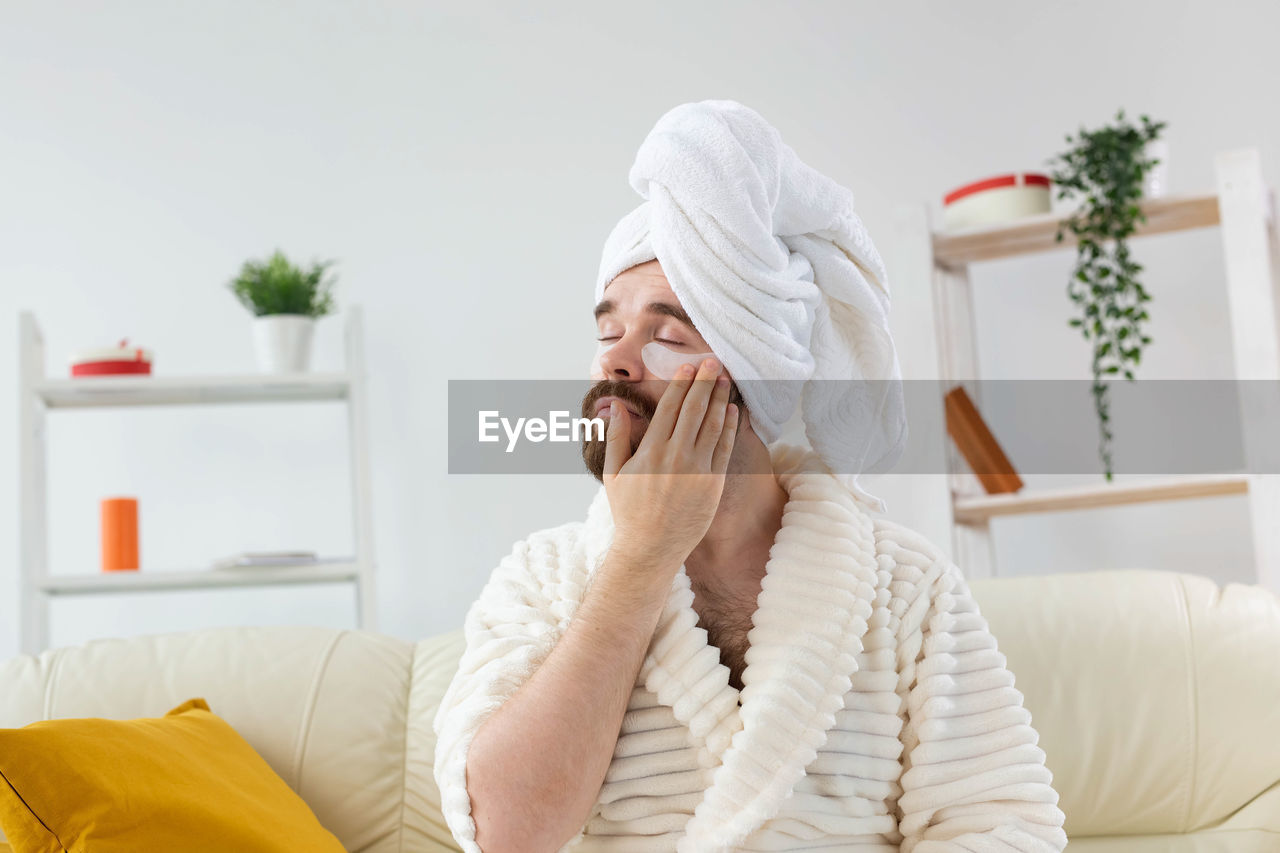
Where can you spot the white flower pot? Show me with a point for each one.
(283, 342)
(1155, 183)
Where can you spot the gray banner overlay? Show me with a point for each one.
(1043, 426)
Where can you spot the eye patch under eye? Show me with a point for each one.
(664, 362)
(658, 359)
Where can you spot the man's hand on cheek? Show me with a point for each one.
(665, 494)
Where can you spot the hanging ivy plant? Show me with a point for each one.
(1106, 167)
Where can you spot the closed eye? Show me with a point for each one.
(659, 340)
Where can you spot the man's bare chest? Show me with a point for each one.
(727, 623)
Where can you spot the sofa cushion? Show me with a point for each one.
(1154, 697)
(435, 660)
(184, 781)
(324, 707)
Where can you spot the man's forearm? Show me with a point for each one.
(535, 767)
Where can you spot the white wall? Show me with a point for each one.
(465, 164)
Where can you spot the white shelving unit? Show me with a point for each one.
(1244, 208)
(38, 395)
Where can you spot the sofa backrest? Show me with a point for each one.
(338, 714)
(1156, 696)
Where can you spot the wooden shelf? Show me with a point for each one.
(1242, 207)
(91, 391)
(40, 394)
(149, 580)
(1036, 233)
(978, 509)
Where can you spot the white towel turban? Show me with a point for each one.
(778, 274)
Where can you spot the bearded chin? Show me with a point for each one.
(593, 451)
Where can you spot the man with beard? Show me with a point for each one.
(731, 652)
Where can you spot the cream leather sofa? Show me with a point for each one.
(1156, 695)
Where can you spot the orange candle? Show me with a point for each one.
(119, 534)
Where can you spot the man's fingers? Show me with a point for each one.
(713, 422)
(617, 438)
(668, 409)
(724, 446)
(694, 406)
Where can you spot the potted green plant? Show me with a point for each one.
(1104, 171)
(285, 300)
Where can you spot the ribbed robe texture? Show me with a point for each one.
(876, 714)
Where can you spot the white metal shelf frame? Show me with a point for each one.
(1244, 209)
(39, 394)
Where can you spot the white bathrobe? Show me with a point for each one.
(876, 713)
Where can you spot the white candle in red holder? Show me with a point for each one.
(997, 199)
(111, 361)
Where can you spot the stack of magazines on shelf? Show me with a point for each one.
(272, 559)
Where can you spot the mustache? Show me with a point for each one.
(624, 391)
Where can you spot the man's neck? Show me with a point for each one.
(733, 553)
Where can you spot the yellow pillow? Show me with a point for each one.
(185, 781)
